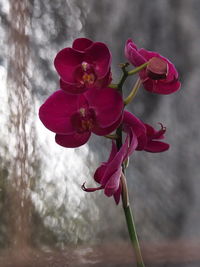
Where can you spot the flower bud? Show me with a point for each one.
(157, 68)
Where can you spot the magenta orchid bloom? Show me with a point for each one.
(108, 175)
(140, 136)
(160, 76)
(74, 117)
(84, 66)
(148, 138)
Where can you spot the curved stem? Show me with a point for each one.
(133, 92)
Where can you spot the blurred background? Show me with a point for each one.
(46, 219)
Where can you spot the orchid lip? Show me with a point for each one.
(85, 75)
(83, 120)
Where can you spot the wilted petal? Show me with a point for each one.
(73, 140)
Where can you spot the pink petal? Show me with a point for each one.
(117, 194)
(161, 87)
(112, 185)
(105, 81)
(73, 140)
(72, 88)
(172, 73)
(116, 162)
(107, 130)
(99, 54)
(133, 143)
(149, 54)
(132, 54)
(138, 128)
(81, 44)
(156, 146)
(101, 170)
(56, 112)
(108, 105)
(149, 130)
(113, 152)
(99, 173)
(66, 62)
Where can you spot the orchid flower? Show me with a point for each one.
(139, 136)
(84, 66)
(109, 173)
(160, 76)
(74, 117)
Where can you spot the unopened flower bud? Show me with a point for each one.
(157, 68)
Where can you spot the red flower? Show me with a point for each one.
(160, 76)
(85, 65)
(140, 136)
(148, 138)
(109, 173)
(74, 117)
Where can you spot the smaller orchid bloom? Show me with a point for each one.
(148, 138)
(139, 136)
(86, 65)
(108, 175)
(160, 76)
(154, 144)
(74, 117)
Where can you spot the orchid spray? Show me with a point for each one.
(87, 102)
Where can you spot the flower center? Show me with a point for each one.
(85, 74)
(88, 78)
(84, 120)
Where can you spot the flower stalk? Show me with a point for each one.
(125, 196)
(133, 92)
(130, 223)
(136, 70)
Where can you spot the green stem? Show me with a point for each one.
(136, 70)
(111, 136)
(113, 85)
(133, 92)
(125, 196)
(131, 225)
